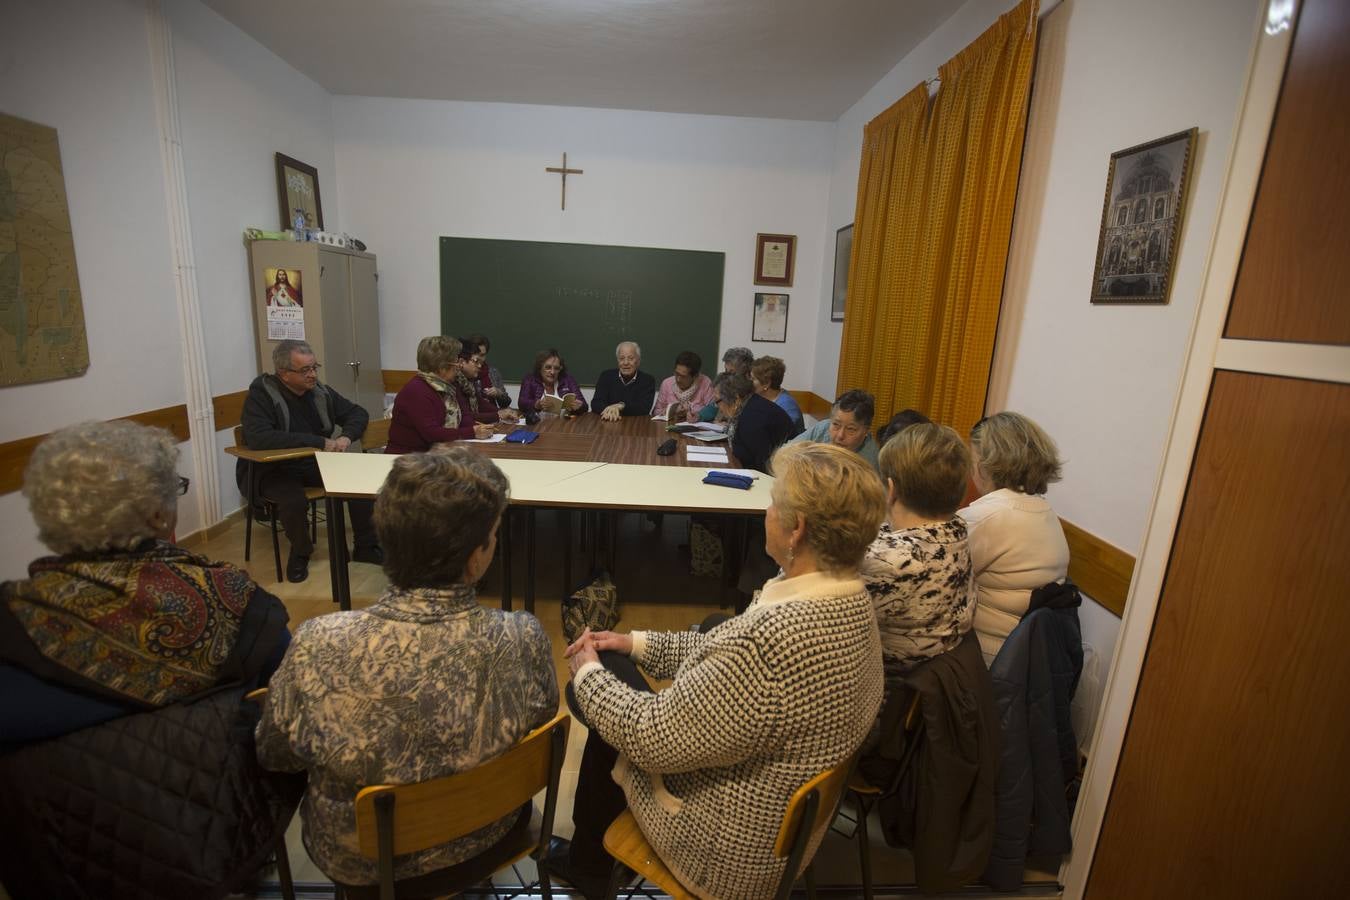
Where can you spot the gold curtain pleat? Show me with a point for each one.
(936, 188)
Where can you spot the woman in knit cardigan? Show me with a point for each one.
(758, 705)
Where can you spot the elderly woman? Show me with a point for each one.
(489, 379)
(686, 392)
(427, 410)
(373, 696)
(108, 651)
(549, 388)
(473, 406)
(757, 705)
(755, 426)
(898, 423)
(918, 571)
(624, 391)
(767, 374)
(737, 361)
(1016, 542)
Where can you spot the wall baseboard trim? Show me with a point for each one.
(203, 536)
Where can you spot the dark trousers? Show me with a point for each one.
(598, 801)
(285, 486)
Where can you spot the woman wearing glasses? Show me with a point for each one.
(1016, 541)
(123, 662)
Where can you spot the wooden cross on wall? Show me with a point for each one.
(564, 172)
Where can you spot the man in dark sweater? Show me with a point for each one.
(624, 391)
(292, 409)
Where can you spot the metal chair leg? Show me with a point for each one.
(810, 876)
(276, 545)
(617, 877)
(284, 870)
(864, 846)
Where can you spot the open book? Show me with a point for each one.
(690, 427)
(555, 405)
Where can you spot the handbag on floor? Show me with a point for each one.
(594, 605)
(705, 551)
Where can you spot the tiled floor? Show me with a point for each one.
(656, 592)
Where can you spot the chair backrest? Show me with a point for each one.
(430, 813)
(376, 435)
(826, 789)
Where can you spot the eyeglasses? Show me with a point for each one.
(474, 360)
(183, 482)
(308, 370)
(849, 429)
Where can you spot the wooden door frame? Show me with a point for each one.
(1207, 351)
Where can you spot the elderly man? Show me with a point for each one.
(624, 391)
(292, 409)
(848, 426)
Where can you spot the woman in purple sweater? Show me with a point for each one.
(545, 388)
(429, 410)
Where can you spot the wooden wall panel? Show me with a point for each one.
(1295, 268)
(1101, 570)
(395, 379)
(1233, 779)
(227, 408)
(14, 455)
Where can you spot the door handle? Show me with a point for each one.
(356, 368)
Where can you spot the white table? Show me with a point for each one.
(539, 483)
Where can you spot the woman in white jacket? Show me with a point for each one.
(1016, 542)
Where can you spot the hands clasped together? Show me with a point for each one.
(586, 648)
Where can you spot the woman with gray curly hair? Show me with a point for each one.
(128, 640)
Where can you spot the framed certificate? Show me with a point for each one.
(775, 255)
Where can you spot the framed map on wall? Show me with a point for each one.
(42, 334)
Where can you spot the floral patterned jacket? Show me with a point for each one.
(422, 684)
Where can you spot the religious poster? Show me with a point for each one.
(285, 304)
(770, 324)
(42, 334)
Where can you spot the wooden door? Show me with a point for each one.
(1234, 775)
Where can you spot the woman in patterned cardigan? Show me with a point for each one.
(758, 705)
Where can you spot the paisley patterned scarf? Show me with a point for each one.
(468, 388)
(440, 386)
(154, 624)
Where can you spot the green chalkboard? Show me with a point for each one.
(582, 299)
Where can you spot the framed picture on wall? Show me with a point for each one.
(775, 255)
(770, 322)
(1141, 220)
(298, 192)
(843, 249)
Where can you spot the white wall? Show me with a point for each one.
(410, 171)
(1101, 379)
(239, 104)
(84, 69)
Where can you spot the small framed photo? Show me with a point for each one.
(1141, 220)
(770, 323)
(298, 192)
(775, 255)
(843, 249)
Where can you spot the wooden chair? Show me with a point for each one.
(395, 819)
(376, 435)
(251, 496)
(283, 859)
(813, 804)
(866, 795)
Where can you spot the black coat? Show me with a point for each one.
(1035, 675)
(938, 782)
(273, 418)
(165, 804)
(637, 396)
(760, 428)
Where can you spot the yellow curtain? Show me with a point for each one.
(936, 189)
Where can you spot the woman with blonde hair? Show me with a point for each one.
(427, 410)
(757, 705)
(1016, 541)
